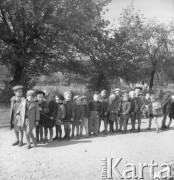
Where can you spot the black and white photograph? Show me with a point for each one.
(86, 89)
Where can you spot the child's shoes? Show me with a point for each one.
(20, 143)
(15, 143)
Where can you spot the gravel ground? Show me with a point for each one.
(81, 159)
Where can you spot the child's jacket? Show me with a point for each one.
(125, 107)
(32, 114)
(78, 112)
(69, 107)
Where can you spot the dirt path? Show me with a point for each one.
(81, 159)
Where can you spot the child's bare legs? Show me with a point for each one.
(86, 127)
(17, 137)
(169, 123)
(73, 129)
(29, 134)
(81, 128)
(59, 131)
(150, 123)
(41, 133)
(156, 123)
(77, 129)
(45, 133)
(20, 137)
(51, 134)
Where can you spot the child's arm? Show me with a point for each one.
(82, 113)
(63, 111)
(37, 114)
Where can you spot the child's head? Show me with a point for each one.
(137, 91)
(67, 96)
(117, 92)
(77, 100)
(125, 96)
(31, 95)
(103, 93)
(59, 98)
(147, 95)
(96, 97)
(152, 97)
(112, 97)
(18, 91)
(84, 100)
(40, 96)
(132, 94)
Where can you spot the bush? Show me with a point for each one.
(6, 94)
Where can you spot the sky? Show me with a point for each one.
(162, 10)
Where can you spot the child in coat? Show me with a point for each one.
(171, 114)
(85, 123)
(60, 115)
(132, 110)
(96, 111)
(113, 112)
(43, 107)
(124, 110)
(154, 107)
(50, 120)
(69, 107)
(29, 116)
(105, 103)
(15, 103)
(78, 115)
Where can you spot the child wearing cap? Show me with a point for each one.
(15, 103)
(60, 115)
(43, 107)
(29, 117)
(96, 111)
(85, 123)
(124, 109)
(154, 107)
(69, 107)
(147, 101)
(78, 115)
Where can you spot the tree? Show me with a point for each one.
(37, 37)
(148, 42)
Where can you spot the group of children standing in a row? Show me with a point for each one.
(42, 111)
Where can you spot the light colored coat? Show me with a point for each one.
(33, 114)
(11, 109)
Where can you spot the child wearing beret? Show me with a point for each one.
(15, 103)
(29, 116)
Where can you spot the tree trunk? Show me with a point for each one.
(17, 74)
(152, 79)
(99, 81)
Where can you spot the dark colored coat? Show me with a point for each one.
(78, 112)
(105, 103)
(86, 111)
(69, 107)
(125, 107)
(96, 106)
